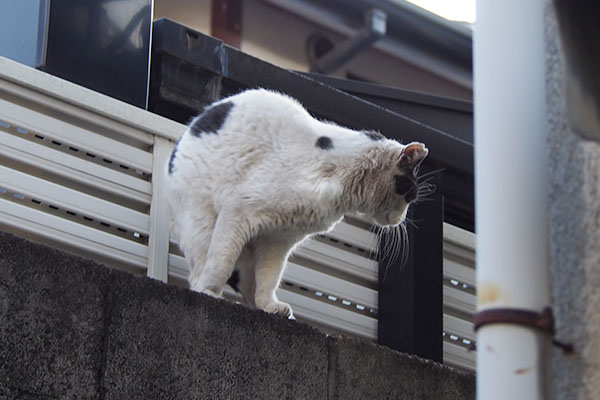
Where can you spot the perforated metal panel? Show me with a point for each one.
(77, 174)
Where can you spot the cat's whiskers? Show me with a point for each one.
(424, 187)
(428, 174)
(397, 243)
(405, 244)
(411, 222)
(395, 248)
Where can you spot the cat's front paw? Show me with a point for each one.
(211, 293)
(201, 289)
(280, 308)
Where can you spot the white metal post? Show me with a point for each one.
(510, 171)
(158, 242)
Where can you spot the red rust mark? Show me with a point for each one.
(489, 348)
(522, 371)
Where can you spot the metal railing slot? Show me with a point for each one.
(62, 173)
(75, 150)
(61, 132)
(87, 240)
(331, 288)
(338, 259)
(329, 315)
(72, 200)
(360, 237)
(79, 218)
(326, 268)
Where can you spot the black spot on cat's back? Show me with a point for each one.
(324, 143)
(374, 135)
(212, 119)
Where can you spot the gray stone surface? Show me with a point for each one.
(51, 322)
(188, 346)
(72, 329)
(574, 214)
(364, 370)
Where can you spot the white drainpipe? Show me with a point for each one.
(510, 179)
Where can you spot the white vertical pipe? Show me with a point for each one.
(510, 171)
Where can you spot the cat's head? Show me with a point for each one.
(397, 186)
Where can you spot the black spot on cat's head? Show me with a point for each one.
(406, 186)
(172, 159)
(211, 120)
(324, 143)
(373, 135)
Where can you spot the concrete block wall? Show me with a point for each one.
(73, 329)
(574, 232)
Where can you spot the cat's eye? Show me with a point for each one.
(404, 184)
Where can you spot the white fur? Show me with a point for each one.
(245, 196)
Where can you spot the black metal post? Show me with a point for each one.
(410, 296)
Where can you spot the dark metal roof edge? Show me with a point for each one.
(375, 89)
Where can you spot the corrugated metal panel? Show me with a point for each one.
(72, 177)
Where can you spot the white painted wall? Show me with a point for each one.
(193, 13)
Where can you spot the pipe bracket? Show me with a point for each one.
(542, 321)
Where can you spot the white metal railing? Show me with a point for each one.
(459, 297)
(78, 171)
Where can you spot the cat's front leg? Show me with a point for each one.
(229, 237)
(271, 254)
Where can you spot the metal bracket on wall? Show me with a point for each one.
(339, 54)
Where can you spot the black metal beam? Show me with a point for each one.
(410, 296)
(453, 116)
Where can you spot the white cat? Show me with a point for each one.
(255, 174)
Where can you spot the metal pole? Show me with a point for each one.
(510, 182)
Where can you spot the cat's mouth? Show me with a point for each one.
(391, 218)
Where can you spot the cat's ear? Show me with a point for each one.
(412, 155)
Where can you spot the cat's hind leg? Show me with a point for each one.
(271, 254)
(245, 268)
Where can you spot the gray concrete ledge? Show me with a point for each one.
(73, 329)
